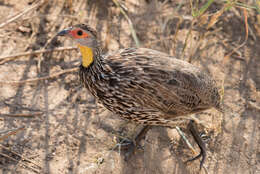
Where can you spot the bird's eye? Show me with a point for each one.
(79, 33)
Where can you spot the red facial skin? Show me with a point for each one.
(74, 33)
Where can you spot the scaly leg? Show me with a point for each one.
(200, 143)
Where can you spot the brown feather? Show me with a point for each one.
(149, 86)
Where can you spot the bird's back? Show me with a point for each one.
(137, 82)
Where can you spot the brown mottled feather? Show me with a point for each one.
(148, 86)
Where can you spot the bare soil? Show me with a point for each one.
(74, 134)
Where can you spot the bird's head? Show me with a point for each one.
(83, 34)
(86, 38)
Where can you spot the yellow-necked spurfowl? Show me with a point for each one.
(143, 85)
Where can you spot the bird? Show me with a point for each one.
(143, 85)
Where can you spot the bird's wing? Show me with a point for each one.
(157, 80)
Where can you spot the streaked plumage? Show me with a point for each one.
(144, 85)
(148, 86)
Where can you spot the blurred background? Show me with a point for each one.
(49, 123)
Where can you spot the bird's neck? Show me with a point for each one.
(87, 55)
(91, 58)
(92, 68)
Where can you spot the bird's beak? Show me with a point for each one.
(64, 32)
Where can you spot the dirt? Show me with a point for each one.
(74, 134)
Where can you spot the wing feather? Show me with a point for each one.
(157, 80)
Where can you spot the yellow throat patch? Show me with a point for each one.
(87, 55)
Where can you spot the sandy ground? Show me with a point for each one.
(73, 134)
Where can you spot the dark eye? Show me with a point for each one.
(79, 33)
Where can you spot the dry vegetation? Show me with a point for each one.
(50, 124)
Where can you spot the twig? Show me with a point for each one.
(23, 158)
(216, 16)
(12, 57)
(129, 22)
(187, 38)
(22, 13)
(11, 158)
(148, 44)
(253, 105)
(41, 78)
(6, 131)
(22, 114)
(226, 58)
(11, 133)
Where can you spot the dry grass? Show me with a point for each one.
(52, 124)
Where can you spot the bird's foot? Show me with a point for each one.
(130, 146)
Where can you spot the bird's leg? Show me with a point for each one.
(200, 143)
(141, 134)
(132, 145)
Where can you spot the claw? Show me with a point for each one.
(131, 146)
